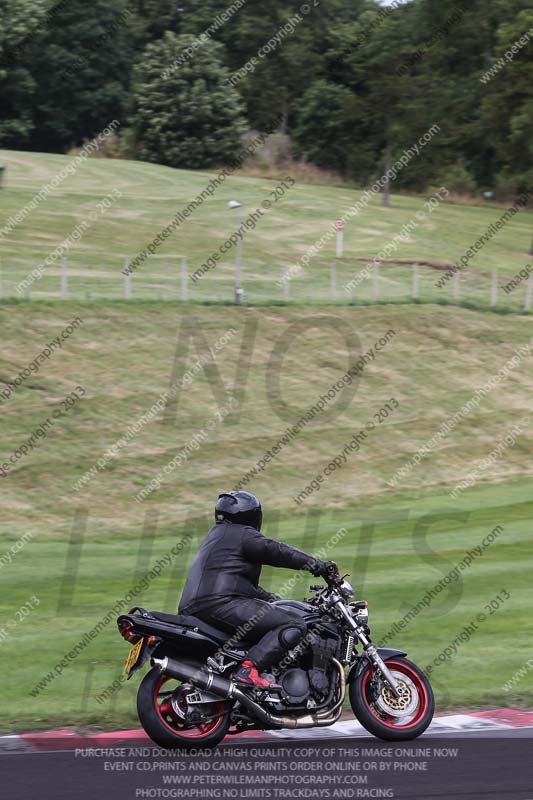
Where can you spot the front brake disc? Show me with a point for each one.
(401, 706)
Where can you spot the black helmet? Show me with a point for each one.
(241, 507)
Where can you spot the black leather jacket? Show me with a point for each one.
(228, 564)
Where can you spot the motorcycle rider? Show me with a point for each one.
(222, 586)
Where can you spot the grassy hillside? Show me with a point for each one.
(152, 195)
(123, 356)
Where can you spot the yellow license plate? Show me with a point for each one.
(133, 655)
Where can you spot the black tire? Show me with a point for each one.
(376, 723)
(161, 729)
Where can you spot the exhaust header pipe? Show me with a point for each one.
(210, 682)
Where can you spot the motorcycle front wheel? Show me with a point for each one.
(161, 706)
(385, 715)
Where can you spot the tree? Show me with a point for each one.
(326, 122)
(363, 55)
(152, 18)
(19, 23)
(81, 69)
(456, 40)
(185, 113)
(507, 108)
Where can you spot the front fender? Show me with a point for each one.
(385, 653)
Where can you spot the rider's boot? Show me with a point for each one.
(248, 674)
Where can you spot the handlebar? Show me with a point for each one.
(333, 580)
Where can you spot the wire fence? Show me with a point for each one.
(343, 282)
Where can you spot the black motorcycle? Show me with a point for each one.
(188, 699)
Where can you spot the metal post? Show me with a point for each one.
(64, 286)
(415, 281)
(375, 285)
(494, 288)
(127, 280)
(238, 287)
(334, 282)
(456, 278)
(184, 288)
(529, 286)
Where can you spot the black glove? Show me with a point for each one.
(331, 570)
(323, 569)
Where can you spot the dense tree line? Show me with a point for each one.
(352, 83)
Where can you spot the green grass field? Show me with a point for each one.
(400, 541)
(152, 195)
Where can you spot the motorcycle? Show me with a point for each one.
(188, 698)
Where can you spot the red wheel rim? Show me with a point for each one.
(423, 699)
(166, 713)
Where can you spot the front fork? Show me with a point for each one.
(371, 651)
(375, 657)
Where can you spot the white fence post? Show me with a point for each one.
(456, 279)
(494, 288)
(333, 282)
(529, 286)
(64, 284)
(415, 281)
(286, 283)
(375, 284)
(184, 287)
(127, 280)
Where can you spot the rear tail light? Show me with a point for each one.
(126, 631)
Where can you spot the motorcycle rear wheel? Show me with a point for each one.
(384, 715)
(165, 727)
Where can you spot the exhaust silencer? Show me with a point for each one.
(190, 673)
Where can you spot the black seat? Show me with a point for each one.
(192, 622)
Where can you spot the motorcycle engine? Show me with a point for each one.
(295, 686)
(325, 648)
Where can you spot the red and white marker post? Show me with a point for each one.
(339, 225)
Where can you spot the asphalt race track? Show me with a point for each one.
(461, 765)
